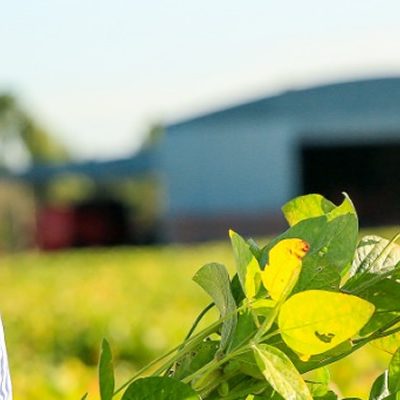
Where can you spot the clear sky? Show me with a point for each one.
(98, 72)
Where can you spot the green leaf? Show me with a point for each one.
(351, 398)
(106, 372)
(245, 328)
(280, 373)
(380, 387)
(394, 373)
(384, 294)
(159, 388)
(328, 250)
(214, 279)
(240, 388)
(347, 207)
(375, 255)
(377, 321)
(254, 248)
(328, 396)
(318, 381)
(320, 278)
(253, 278)
(248, 365)
(237, 290)
(243, 256)
(195, 359)
(390, 343)
(315, 321)
(393, 396)
(306, 207)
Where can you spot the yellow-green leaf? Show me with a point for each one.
(307, 206)
(283, 270)
(315, 205)
(263, 307)
(389, 344)
(316, 321)
(280, 373)
(243, 256)
(253, 278)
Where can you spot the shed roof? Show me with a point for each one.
(350, 96)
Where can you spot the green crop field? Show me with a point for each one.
(57, 307)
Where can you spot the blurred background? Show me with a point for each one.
(130, 131)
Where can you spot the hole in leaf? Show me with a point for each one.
(324, 337)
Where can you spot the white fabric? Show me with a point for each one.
(5, 380)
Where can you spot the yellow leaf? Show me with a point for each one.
(263, 307)
(253, 279)
(263, 303)
(283, 270)
(315, 321)
(390, 343)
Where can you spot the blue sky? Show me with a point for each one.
(97, 73)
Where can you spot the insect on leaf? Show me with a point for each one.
(315, 321)
(285, 262)
(280, 373)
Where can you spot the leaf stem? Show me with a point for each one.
(198, 319)
(200, 336)
(214, 364)
(181, 349)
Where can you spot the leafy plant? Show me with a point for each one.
(308, 298)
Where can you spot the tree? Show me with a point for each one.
(23, 140)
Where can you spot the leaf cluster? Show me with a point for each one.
(311, 296)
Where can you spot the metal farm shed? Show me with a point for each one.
(236, 167)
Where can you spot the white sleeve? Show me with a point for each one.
(5, 380)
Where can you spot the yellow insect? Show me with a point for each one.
(285, 262)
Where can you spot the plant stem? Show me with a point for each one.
(242, 347)
(188, 347)
(189, 334)
(181, 349)
(198, 319)
(266, 325)
(196, 338)
(214, 364)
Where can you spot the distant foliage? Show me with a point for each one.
(23, 139)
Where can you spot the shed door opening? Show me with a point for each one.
(370, 174)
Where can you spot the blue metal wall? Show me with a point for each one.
(247, 158)
(222, 165)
